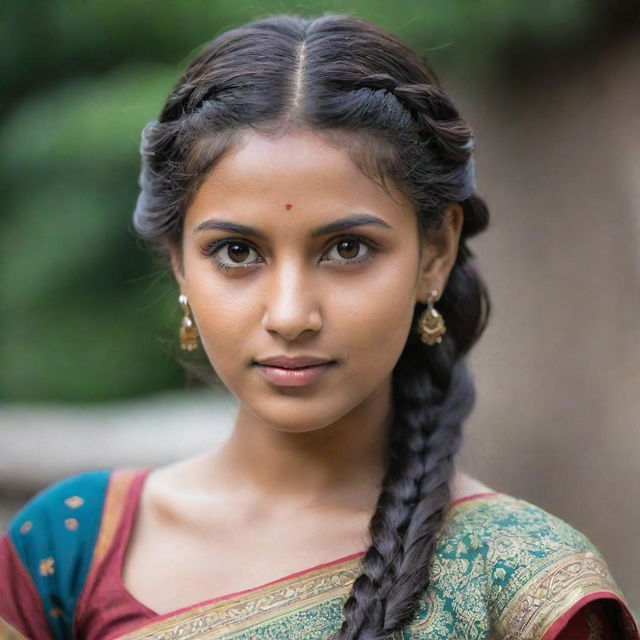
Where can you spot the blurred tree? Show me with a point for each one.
(82, 318)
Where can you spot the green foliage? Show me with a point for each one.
(82, 318)
(86, 312)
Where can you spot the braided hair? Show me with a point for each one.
(361, 87)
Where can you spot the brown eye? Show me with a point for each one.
(237, 251)
(348, 249)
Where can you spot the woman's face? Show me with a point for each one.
(284, 286)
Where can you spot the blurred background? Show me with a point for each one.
(89, 319)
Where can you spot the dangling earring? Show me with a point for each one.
(431, 326)
(188, 330)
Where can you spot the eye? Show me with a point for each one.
(236, 251)
(349, 249)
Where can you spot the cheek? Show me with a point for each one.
(379, 327)
(222, 313)
(375, 317)
(226, 323)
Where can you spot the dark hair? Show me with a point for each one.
(361, 87)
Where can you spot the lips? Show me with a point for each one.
(297, 362)
(294, 377)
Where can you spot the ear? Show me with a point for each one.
(439, 251)
(177, 270)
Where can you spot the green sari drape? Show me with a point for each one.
(504, 569)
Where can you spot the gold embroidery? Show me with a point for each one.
(46, 566)
(114, 505)
(74, 502)
(553, 591)
(26, 527)
(56, 612)
(223, 618)
(7, 632)
(71, 524)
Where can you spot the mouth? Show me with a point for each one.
(294, 376)
(290, 368)
(297, 362)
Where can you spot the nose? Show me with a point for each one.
(292, 305)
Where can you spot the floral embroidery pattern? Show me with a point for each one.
(46, 566)
(71, 524)
(26, 527)
(503, 568)
(74, 502)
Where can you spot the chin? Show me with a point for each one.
(301, 424)
(306, 417)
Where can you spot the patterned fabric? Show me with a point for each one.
(54, 550)
(504, 569)
(507, 569)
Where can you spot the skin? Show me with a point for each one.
(296, 483)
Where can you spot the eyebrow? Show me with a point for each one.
(337, 225)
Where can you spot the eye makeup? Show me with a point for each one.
(212, 249)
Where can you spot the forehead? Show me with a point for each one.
(266, 173)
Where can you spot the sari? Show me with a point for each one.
(503, 569)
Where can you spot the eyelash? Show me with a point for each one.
(214, 246)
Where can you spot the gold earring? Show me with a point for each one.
(431, 326)
(188, 330)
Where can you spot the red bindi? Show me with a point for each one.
(288, 206)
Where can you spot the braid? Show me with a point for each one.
(436, 116)
(410, 509)
(433, 394)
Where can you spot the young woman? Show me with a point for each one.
(313, 189)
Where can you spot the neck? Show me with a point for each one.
(339, 464)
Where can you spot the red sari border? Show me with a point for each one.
(560, 623)
(114, 507)
(115, 504)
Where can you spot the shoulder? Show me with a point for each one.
(71, 493)
(66, 510)
(464, 486)
(525, 567)
(58, 507)
(54, 535)
(510, 527)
